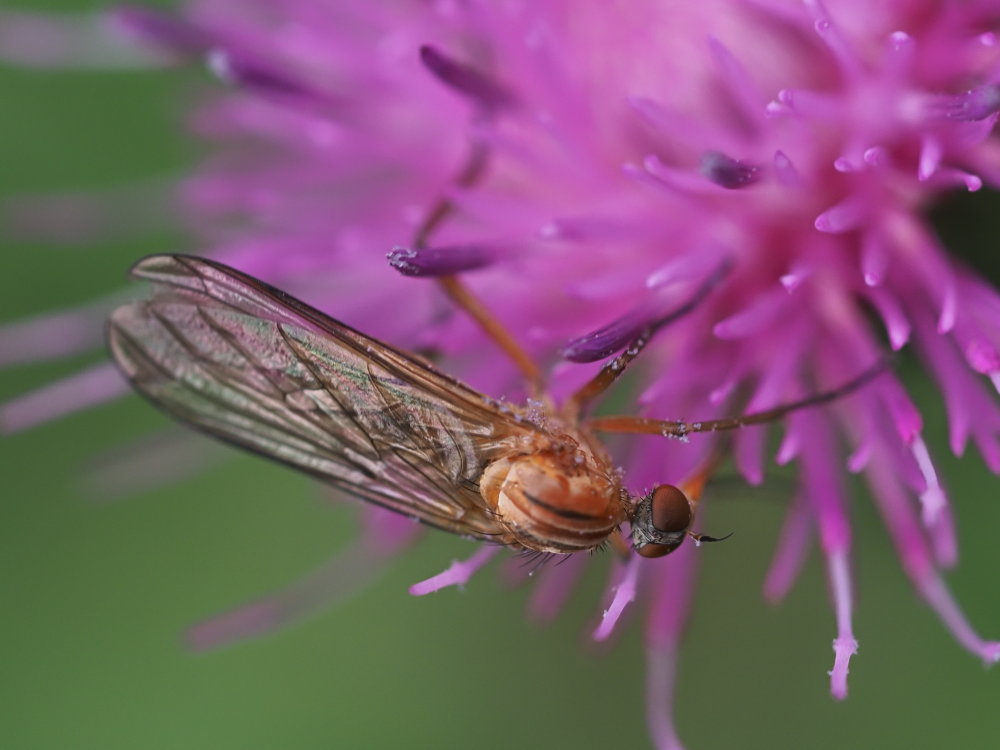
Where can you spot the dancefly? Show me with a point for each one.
(255, 367)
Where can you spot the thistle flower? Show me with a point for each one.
(598, 168)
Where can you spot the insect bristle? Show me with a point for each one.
(536, 558)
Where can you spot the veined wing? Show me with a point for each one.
(247, 363)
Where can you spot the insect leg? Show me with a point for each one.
(621, 547)
(694, 486)
(472, 171)
(671, 428)
(458, 292)
(613, 370)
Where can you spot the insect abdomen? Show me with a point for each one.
(548, 505)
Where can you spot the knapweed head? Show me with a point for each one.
(591, 170)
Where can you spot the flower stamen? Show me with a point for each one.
(465, 79)
(727, 172)
(443, 261)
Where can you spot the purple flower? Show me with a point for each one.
(599, 169)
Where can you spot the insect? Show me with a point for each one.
(247, 363)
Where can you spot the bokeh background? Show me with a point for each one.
(97, 594)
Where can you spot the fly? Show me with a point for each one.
(253, 366)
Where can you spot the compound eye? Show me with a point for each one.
(670, 511)
(659, 550)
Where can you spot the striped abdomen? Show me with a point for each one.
(553, 501)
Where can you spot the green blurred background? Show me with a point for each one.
(96, 595)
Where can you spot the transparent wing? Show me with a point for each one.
(249, 364)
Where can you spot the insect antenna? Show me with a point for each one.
(699, 538)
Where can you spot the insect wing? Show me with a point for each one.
(247, 363)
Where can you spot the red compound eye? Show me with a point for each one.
(658, 550)
(662, 528)
(671, 511)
